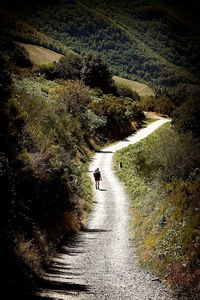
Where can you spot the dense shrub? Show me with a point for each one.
(117, 109)
(95, 73)
(162, 105)
(14, 54)
(39, 171)
(162, 175)
(69, 66)
(187, 116)
(147, 103)
(126, 91)
(21, 57)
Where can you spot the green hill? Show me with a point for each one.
(41, 55)
(147, 41)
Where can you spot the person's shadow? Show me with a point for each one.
(104, 190)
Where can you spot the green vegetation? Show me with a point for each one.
(186, 117)
(148, 41)
(160, 104)
(165, 214)
(50, 124)
(17, 29)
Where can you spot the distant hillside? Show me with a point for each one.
(147, 41)
(141, 88)
(41, 55)
(15, 28)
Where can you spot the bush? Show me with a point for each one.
(187, 116)
(95, 73)
(21, 57)
(68, 67)
(75, 99)
(161, 105)
(126, 91)
(147, 103)
(164, 105)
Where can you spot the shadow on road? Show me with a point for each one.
(102, 151)
(61, 270)
(94, 230)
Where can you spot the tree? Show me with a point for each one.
(95, 73)
(76, 98)
(68, 67)
(164, 105)
(186, 117)
(125, 91)
(21, 57)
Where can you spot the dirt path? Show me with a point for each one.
(100, 262)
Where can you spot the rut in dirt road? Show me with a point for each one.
(100, 262)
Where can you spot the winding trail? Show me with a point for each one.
(100, 263)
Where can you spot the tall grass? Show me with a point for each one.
(162, 179)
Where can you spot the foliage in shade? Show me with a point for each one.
(48, 130)
(95, 73)
(186, 117)
(155, 36)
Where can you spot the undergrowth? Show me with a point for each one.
(165, 209)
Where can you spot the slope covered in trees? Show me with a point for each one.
(148, 41)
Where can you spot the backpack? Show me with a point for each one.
(97, 174)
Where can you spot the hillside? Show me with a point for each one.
(15, 28)
(41, 55)
(146, 41)
(140, 88)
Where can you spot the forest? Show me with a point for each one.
(148, 42)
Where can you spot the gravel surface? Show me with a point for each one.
(100, 263)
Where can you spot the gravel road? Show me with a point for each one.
(100, 263)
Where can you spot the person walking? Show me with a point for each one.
(97, 178)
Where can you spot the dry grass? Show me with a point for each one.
(141, 88)
(39, 55)
(152, 115)
(28, 253)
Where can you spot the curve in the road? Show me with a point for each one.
(100, 262)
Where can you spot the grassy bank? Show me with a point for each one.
(164, 207)
(50, 126)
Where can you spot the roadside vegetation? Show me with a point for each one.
(162, 177)
(53, 117)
